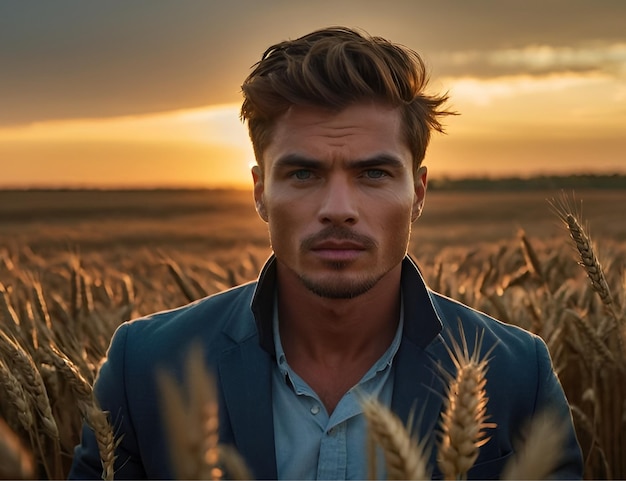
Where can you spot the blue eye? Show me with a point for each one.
(375, 174)
(302, 174)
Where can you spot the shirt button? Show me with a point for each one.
(315, 409)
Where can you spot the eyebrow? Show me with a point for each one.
(301, 161)
(382, 160)
(296, 160)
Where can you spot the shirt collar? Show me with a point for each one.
(421, 322)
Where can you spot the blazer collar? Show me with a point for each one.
(421, 322)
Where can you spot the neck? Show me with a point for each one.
(333, 331)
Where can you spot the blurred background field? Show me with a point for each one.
(213, 221)
(128, 231)
(75, 264)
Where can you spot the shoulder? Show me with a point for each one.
(520, 370)
(127, 385)
(507, 337)
(219, 320)
(141, 347)
(211, 313)
(519, 361)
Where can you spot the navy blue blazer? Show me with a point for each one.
(234, 328)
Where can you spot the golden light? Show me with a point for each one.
(206, 147)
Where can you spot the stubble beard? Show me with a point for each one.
(338, 288)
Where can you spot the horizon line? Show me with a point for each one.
(242, 186)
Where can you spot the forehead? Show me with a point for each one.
(360, 129)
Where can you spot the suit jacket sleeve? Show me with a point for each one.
(550, 396)
(110, 391)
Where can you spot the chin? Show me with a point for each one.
(335, 288)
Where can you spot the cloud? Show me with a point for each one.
(68, 59)
(216, 125)
(542, 57)
(483, 91)
(541, 60)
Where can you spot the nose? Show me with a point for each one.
(339, 203)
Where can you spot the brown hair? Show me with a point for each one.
(333, 68)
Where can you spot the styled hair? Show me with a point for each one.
(334, 68)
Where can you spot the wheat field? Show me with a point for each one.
(74, 265)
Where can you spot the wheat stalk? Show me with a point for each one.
(181, 280)
(27, 373)
(463, 420)
(234, 464)
(97, 420)
(16, 396)
(192, 426)
(9, 315)
(588, 259)
(530, 256)
(75, 286)
(86, 294)
(405, 458)
(538, 456)
(590, 337)
(30, 377)
(16, 462)
(39, 302)
(70, 372)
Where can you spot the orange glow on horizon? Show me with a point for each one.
(196, 148)
(520, 125)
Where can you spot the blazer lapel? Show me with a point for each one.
(245, 377)
(418, 391)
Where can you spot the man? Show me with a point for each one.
(339, 122)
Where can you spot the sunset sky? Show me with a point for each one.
(147, 92)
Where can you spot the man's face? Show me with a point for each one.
(339, 195)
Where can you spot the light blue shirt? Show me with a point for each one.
(309, 443)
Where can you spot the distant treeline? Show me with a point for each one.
(485, 184)
(548, 182)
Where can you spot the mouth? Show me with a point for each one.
(338, 250)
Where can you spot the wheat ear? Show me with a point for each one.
(588, 259)
(70, 372)
(192, 427)
(16, 396)
(405, 458)
(463, 420)
(16, 462)
(538, 456)
(234, 464)
(30, 377)
(595, 273)
(98, 421)
(27, 373)
(590, 338)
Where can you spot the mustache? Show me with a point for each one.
(337, 233)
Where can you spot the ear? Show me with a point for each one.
(259, 192)
(420, 183)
